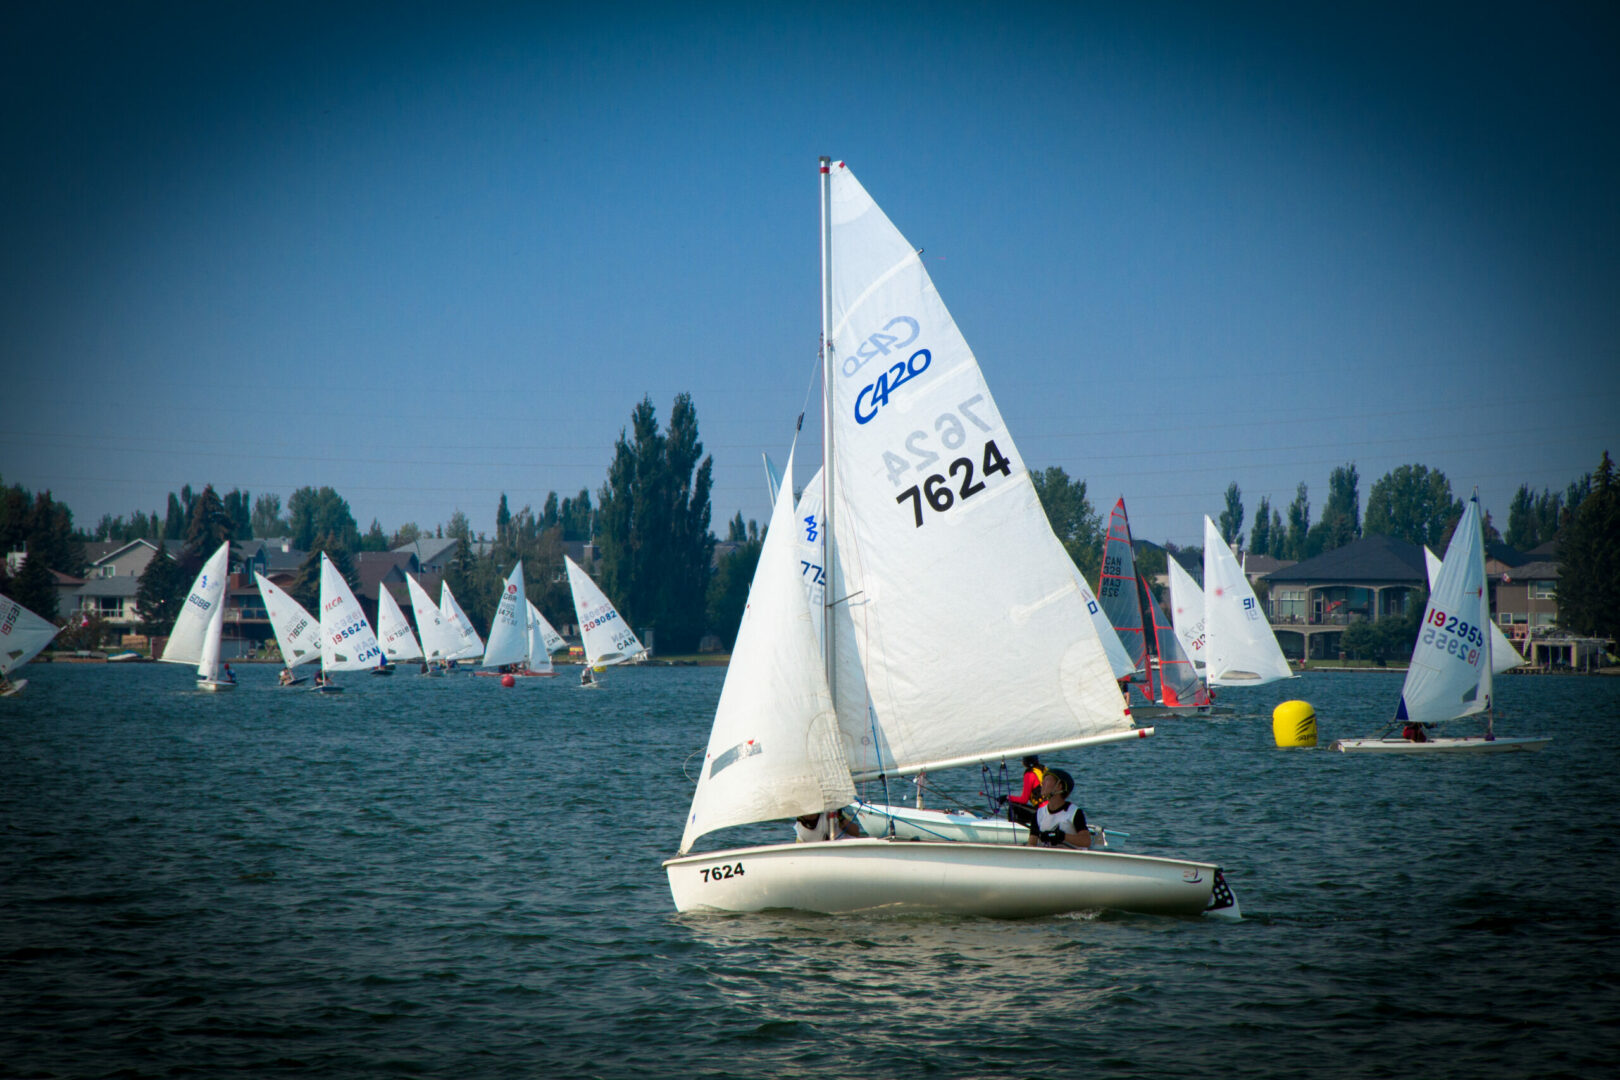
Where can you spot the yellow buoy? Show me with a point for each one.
(1293, 723)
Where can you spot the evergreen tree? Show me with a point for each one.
(375, 539)
(313, 513)
(1299, 524)
(728, 591)
(306, 585)
(1413, 504)
(1071, 516)
(238, 509)
(503, 520)
(160, 592)
(1260, 535)
(1589, 560)
(1231, 522)
(174, 522)
(1341, 517)
(266, 520)
(653, 526)
(34, 588)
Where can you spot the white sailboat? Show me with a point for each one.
(513, 634)
(347, 641)
(605, 636)
(1450, 676)
(1240, 648)
(393, 631)
(471, 646)
(22, 636)
(1187, 611)
(936, 546)
(1504, 657)
(297, 631)
(439, 638)
(543, 641)
(200, 626)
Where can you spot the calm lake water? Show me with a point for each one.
(439, 877)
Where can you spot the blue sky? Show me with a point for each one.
(430, 255)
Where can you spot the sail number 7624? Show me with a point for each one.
(720, 873)
(937, 491)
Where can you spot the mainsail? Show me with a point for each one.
(22, 635)
(541, 637)
(509, 629)
(439, 638)
(393, 632)
(1122, 603)
(347, 640)
(471, 645)
(1450, 674)
(774, 750)
(957, 631)
(191, 629)
(1504, 657)
(1242, 649)
(1186, 610)
(606, 638)
(297, 631)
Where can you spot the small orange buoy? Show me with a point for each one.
(508, 680)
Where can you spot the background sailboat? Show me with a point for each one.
(22, 636)
(1186, 611)
(1450, 676)
(606, 638)
(297, 631)
(439, 638)
(1240, 646)
(393, 632)
(471, 646)
(200, 626)
(932, 559)
(513, 634)
(543, 641)
(347, 641)
(1163, 682)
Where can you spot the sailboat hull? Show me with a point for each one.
(215, 686)
(1473, 744)
(896, 876)
(13, 689)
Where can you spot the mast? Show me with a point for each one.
(828, 599)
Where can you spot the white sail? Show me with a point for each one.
(297, 631)
(471, 645)
(1240, 646)
(393, 632)
(1450, 675)
(439, 638)
(1504, 657)
(190, 631)
(606, 638)
(1187, 611)
(347, 640)
(1118, 659)
(509, 629)
(22, 635)
(208, 662)
(958, 631)
(540, 634)
(810, 529)
(774, 749)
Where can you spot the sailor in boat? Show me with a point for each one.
(1021, 807)
(1414, 733)
(1059, 823)
(585, 677)
(227, 674)
(814, 827)
(286, 677)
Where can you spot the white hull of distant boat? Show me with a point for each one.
(1469, 744)
(515, 674)
(12, 689)
(897, 876)
(215, 686)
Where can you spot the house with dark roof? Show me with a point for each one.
(1311, 602)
